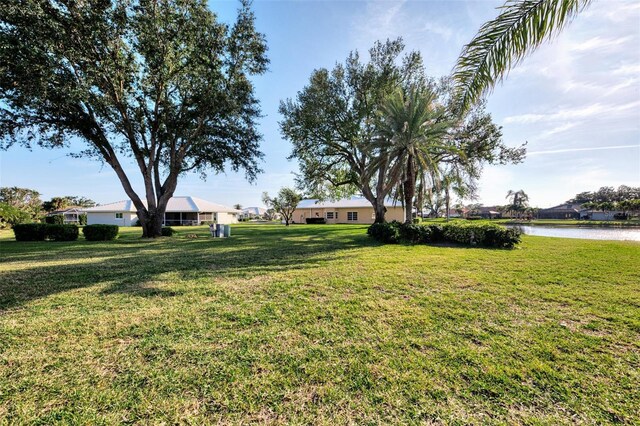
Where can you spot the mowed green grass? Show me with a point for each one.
(318, 325)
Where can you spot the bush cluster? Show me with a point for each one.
(168, 231)
(100, 232)
(388, 232)
(45, 231)
(30, 231)
(316, 220)
(482, 234)
(59, 232)
(57, 219)
(485, 234)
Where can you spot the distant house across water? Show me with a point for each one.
(562, 211)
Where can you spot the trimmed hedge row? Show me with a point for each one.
(483, 234)
(45, 231)
(316, 220)
(100, 232)
(62, 232)
(55, 220)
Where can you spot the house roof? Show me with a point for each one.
(352, 202)
(72, 209)
(254, 210)
(175, 204)
(564, 207)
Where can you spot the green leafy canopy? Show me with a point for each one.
(162, 82)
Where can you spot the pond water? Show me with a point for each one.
(629, 234)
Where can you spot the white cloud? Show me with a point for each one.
(592, 148)
(627, 69)
(600, 43)
(572, 113)
(443, 31)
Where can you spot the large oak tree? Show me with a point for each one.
(332, 123)
(159, 81)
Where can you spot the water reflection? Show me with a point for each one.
(621, 234)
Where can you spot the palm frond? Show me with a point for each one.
(501, 43)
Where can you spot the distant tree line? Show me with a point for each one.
(23, 205)
(625, 199)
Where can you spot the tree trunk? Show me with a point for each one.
(409, 189)
(151, 222)
(380, 211)
(446, 202)
(377, 201)
(154, 216)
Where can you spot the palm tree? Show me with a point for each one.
(518, 200)
(503, 42)
(412, 127)
(457, 179)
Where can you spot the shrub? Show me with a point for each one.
(57, 232)
(502, 237)
(100, 232)
(316, 220)
(486, 234)
(474, 233)
(417, 220)
(30, 231)
(82, 219)
(436, 234)
(388, 232)
(57, 219)
(415, 234)
(168, 231)
(460, 233)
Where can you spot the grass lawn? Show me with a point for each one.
(318, 324)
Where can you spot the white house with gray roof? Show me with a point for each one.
(180, 211)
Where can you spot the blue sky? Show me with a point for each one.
(576, 100)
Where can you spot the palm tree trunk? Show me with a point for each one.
(409, 189)
(446, 202)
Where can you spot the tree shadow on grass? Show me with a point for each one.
(131, 265)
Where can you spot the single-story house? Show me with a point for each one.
(180, 211)
(561, 211)
(70, 215)
(349, 210)
(491, 212)
(453, 212)
(600, 215)
(253, 212)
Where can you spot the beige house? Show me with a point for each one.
(351, 210)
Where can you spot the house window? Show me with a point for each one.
(329, 215)
(352, 216)
(118, 215)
